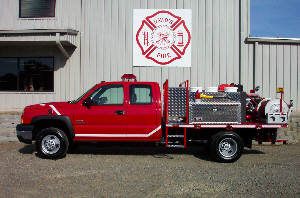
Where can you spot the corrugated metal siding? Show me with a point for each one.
(215, 42)
(104, 48)
(67, 15)
(246, 69)
(276, 65)
(67, 72)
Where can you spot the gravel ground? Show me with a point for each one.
(263, 171)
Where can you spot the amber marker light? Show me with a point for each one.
(22, 121)
(280, 90)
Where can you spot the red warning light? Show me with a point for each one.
(128, 77)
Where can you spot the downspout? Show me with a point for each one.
(63, 50)
(240, 41)
(255, 47)
(59, 45)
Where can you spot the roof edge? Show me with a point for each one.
(40, 31)
(273, 40)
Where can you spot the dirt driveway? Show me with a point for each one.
(264, 171)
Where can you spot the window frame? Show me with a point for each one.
(36, 17)
(112, 86)
(18, 76)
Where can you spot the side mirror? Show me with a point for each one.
(88, 101)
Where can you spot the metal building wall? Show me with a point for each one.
(67, 15)
(67, 72)
(276, 65)
(220, 53)
(107, 41)
(104, 45)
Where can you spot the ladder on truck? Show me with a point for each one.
(175, 135)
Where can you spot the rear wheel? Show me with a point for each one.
(226, 146)
(52, 143)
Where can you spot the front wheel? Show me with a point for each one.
(52, 143)
(226, 146)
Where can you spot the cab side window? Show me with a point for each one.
(108, 95)
(140, 94)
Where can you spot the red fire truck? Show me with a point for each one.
(224, 121)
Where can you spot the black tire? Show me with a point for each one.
(206, 147)
(52, 143)
(226, 146)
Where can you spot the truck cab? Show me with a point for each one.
(119, 111)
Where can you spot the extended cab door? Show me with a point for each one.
(105, 118)
(142, 113)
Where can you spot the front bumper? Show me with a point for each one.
(24, 133)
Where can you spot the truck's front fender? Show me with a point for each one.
(62, 118)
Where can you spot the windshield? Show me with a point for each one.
(78, 99)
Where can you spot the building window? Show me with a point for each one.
(36, 8)
(27, 74)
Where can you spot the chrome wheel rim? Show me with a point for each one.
(228, 147)
(50, 144)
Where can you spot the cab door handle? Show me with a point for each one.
(120, 112)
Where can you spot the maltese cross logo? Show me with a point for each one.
(163, 37)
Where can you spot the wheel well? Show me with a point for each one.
(207, 134)
(43, 124)
(247, 136)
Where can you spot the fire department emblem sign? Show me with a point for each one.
(162, 38)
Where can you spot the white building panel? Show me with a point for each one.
(277, 65)
(102, 49)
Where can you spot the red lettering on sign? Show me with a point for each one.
(146, 42)
(158, 20)
(164, 55)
